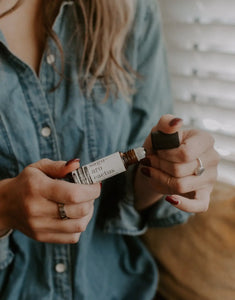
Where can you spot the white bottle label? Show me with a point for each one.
(100, 169)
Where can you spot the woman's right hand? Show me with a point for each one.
(29, 202)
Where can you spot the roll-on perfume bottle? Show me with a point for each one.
(107, 167)
(118, 162)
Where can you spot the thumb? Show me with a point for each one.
(168, 124)
(56, 169)
(166, 134)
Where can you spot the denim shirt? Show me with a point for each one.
(109, 261)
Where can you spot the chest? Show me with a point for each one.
(23, 31)
(59, 125)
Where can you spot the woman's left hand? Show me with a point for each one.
(173, 172)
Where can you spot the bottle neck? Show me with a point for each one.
(129, 158)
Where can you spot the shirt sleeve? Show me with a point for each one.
(6, 255)
(153, 99)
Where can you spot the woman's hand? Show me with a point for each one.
(172, 172)
(29, 202)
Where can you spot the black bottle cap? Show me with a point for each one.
(163, 141)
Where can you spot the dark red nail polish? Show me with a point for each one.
(145, 162)
(100, 185)
(171, 200)
(72, 161)
(175, 122)
(145, 172)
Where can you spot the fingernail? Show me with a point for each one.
(145, 162)
(145, 172)
(72, 161)
(100, 185)
(171, 200)
(175, 122)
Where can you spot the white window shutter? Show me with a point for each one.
(200, 39)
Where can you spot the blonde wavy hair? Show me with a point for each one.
(104, 26)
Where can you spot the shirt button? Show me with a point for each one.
(46, 131)
(50, 59)
(60, 268)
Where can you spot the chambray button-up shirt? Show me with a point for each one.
(109, 262)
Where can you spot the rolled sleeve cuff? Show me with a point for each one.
(129, 222)
(6, 255)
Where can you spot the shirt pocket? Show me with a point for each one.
(100, 93)
(112, 120)
(8, 162)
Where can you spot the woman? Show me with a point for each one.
(86, 79)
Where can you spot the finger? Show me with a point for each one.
(209, 159)
(168, 124)
(46, 208)
(199, 204)
(61, 191)
(166, 184)
(61, 226)
(77, 211)
(40, 207)
(72, 225)
(191, 183)
(57, 238)
(73, 211)
(56, 169)
(50, 236)
(191, 148)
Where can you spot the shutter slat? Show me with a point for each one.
(201, 54)
(207, 117)
(208, 10)
(203, 37)
(207, 64)
(185, 86)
